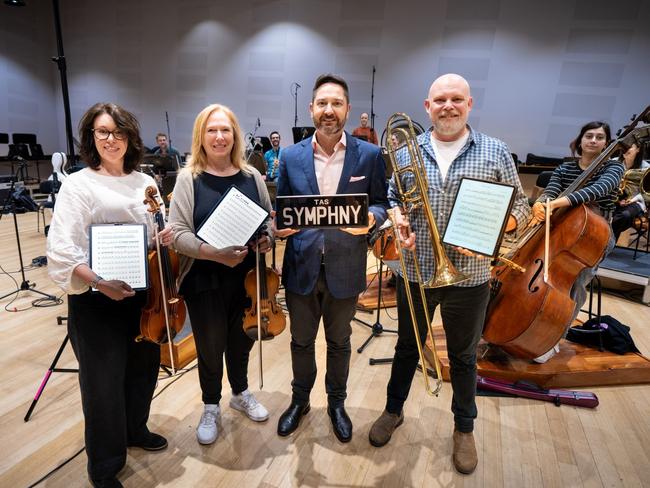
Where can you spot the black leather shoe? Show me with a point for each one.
(150, 442)
(341, 423)
(106, 483)
(290, 419)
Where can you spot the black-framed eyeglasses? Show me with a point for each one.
(103, 134)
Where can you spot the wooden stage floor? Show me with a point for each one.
(520, 442)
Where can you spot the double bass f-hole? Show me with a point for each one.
(540, 269)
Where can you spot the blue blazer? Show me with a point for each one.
(343, 254)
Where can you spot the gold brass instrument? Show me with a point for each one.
(635, 181)
(415, 197)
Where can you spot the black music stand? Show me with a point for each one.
(50, 370)
(376, 329)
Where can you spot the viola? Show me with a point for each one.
(269, 316)
(164, 314)
(385, 247)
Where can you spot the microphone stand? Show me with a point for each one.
(169, 139)
(372, 101)
(10, 203)
(60, 62)
(376, 329)
(295, 104)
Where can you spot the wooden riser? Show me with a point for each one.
(368, 299)
(575, 365)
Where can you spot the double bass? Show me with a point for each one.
(528, 314)
(163, 316)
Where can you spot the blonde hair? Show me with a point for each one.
(199, 159)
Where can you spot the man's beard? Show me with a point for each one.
(449, 126)
(329, 129)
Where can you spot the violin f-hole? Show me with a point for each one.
(540, 268)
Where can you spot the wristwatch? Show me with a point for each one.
(93, 284)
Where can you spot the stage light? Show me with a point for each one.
(15, 3)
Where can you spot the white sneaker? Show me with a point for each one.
(206, 432)
(246, 402)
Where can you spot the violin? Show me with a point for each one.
(265, 313)
(164, 314)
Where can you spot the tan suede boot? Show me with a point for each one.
(383, 428)
(465, 456)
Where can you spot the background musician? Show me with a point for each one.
(324, 270)
(164, 149)
(272, 157)
(212, 280)
(631, 205)
(365, 132)
(450, 150)
(600, 191)
(117, 375)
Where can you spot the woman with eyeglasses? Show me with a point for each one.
(117, 375)
(599, 192)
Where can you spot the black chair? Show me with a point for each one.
(46, 187)
(542, 181)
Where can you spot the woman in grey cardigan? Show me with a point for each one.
(212, 280)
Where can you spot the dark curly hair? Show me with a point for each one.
(125, 121)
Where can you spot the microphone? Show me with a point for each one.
(298, 85)
(258, 122)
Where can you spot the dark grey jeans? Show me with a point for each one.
(305, 312)
(463, 314)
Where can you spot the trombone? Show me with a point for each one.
(412, 197)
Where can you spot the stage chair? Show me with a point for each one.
(542, 180)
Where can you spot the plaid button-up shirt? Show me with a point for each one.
(481, 157)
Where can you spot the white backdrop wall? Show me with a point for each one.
(538, 70)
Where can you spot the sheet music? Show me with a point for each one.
(478, 217)
(119, 252)
(233, 222)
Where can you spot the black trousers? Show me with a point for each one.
(117, 376)
(463, 313)
(624, 217)
(217, 318)
(306, 312)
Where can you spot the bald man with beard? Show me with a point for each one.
(450, 150)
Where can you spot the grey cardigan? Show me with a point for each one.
(181, 217)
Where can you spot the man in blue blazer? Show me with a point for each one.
(324, 270)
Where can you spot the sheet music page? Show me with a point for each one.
(478, 216)
(119, 252)
(233, 222)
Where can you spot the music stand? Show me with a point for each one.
(161, 164)
(300, 133)
(377, 329)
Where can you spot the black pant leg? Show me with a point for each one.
(238, 344)
(337, 315)
(407, 356)
(100, 337)
(463, 314)
(143, 363)
(305, 314)
(209, 326)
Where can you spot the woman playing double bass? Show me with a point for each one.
(212, 280)
(601, 190)
(117, 375)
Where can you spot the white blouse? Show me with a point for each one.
(86, 198)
